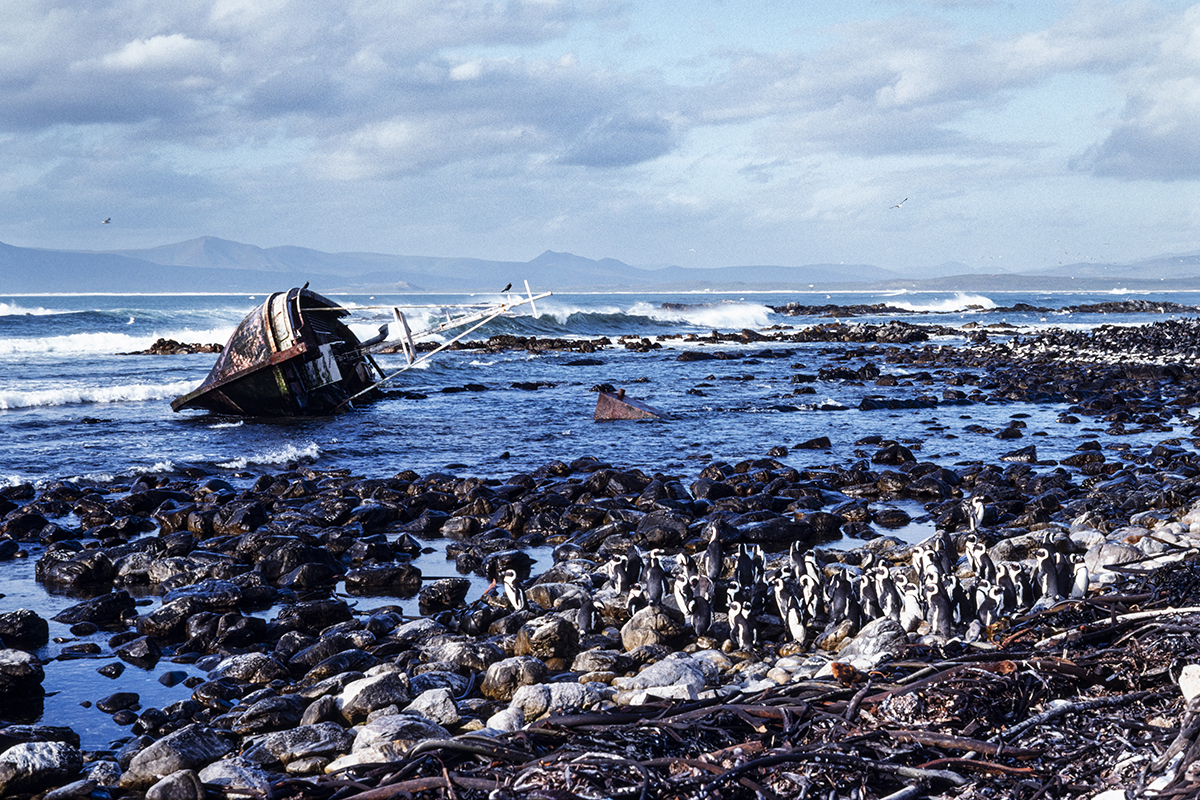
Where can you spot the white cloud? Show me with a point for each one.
(175, 52)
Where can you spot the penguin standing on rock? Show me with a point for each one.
(636, 600)
(620, 574)
(700, 615)
(741, 626)
(655, 577)
(514, 593)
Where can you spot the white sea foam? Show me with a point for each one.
(155, 468)
(289, 452)
(721, 316)
(960, 302)
(237, 424)
(14, 310)
(104, 342)
(122, 393)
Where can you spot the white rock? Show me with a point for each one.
(1189, 681)
(436, 705)
(506, 721)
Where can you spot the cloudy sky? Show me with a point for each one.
(701, 133)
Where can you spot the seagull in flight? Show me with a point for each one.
(105, 222)
(902, 202)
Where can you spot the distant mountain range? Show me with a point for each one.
(209, 264)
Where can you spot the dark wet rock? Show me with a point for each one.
(143, 651)
(363, 696)
(404, 579)
(208, 595)
(250, 668)
(504, 677)
(191, 747)
(310, 576)
(169, 621)
(325, 739)
(23, 525)
(33, 766)
(442, 595)
(662, 529)
(218, 694)
(17, 734)
(495, 564)
(75, 790)
(313, 615)
(271, 714)
(90, 567)
(21, 674)
(347, 661)
(23, 629)
(119, 701)
(106, 611)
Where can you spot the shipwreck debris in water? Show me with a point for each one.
(613, 406)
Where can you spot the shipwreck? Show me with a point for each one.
(294, 356)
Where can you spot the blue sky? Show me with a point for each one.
(1023, 135)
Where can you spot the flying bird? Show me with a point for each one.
(105, 222)
(902, 202)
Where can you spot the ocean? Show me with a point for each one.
(72, 407)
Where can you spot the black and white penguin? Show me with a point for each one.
(975, 511)
(655, 578)
(700, 615)
(743, 566)
(1080, 579)
(741, 626)
(885, 589)
(637, 599)
(585, 616)
(713, 557)
(843, 600)
(868, 598)
(812, 597)
(620, 574)
(941, 614)
(1047, 576)
(633, 557)
(682, 590)
(514, 593)
(911, 613)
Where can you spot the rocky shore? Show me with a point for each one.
(693, 638)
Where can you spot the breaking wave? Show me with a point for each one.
(960, 302)
(103, 342)
(124, 393)
(290, 452)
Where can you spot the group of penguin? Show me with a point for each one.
(926, 596)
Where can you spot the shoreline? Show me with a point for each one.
(247, 576)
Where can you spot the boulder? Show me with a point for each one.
(20, 674)
(504, 677)
(182, 785)
(33, 766)
(23, 629)
(435, 705)
(191, 747)
(365, 695)
(547, 637)
(326, 739)
(651, 625)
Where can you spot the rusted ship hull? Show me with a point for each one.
(610, 407)
(290, 357)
